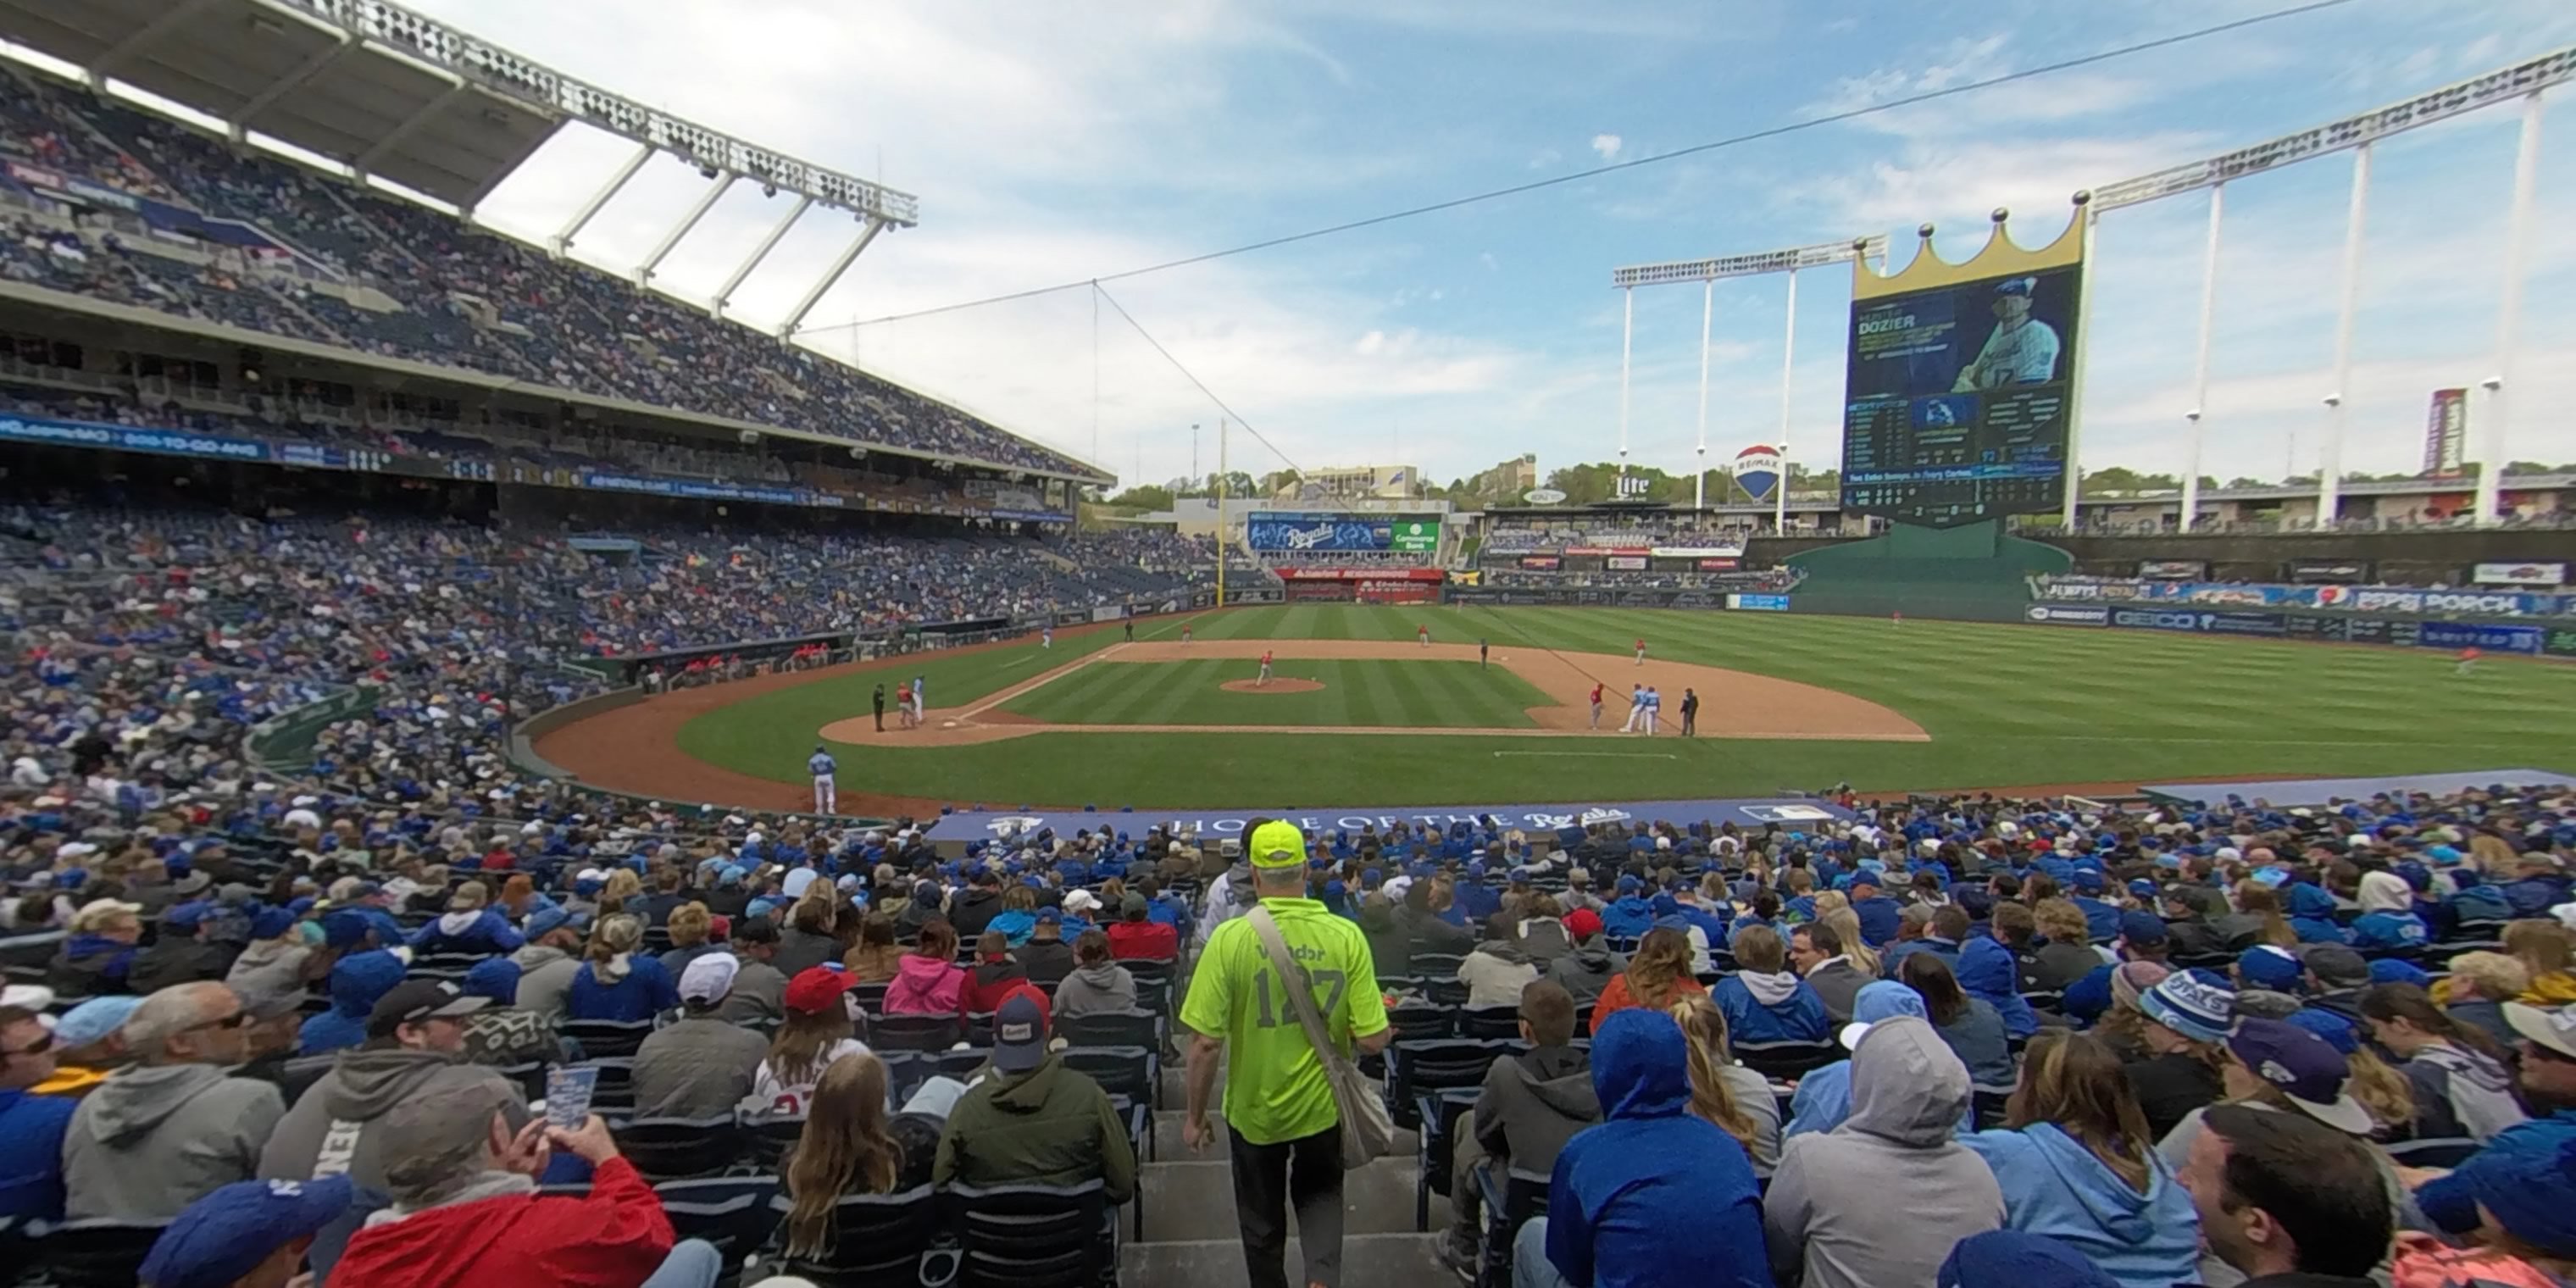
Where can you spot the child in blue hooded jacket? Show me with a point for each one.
(1655, 1195)
(1631, 915)
(2312, 916)
(2076, 1164)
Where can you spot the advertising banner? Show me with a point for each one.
(1540, 563)
(1956, 385)
(2174, 619)
(2173, 570)
(2492, 639)
(1319, 824)
(1759, 603)
(2446, 434)
(2359, 599)
(1625, 563)
(1295, 531)
(2519, 574)
(1419, 536)
(1720, 565)
(1361, 574)
(2069, 614)
(1723, 550)
(130, 438)
(1757, 470)
(2313, 572)
(2371, 599)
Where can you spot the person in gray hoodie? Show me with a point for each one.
(1586, 969)
(160, 1134)
(1097, 983)
(549, 960)
(415, 1042)
(1389, 946)
(1879, 1201)
(1497, 971)
(1531, 1104)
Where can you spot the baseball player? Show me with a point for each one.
(879, 701)
(1596, 705)
(2020, 351)
(826, 791)
(1484, 653)
(1654, 709)
(920, 701)
(1185, 633)
(1641, 652)
(1264, 681)
(1046, 636)
(1422, 634)
(1130, 624)
(1636, 709)
(2468, 661)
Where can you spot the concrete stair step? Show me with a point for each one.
(1368, 1261)
(1194, 1201)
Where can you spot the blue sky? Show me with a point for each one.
(1051, 142)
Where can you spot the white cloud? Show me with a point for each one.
(1606, 146)
(1546, 157)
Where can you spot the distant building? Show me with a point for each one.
(1351, 482)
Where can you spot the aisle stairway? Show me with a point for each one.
(1192, 1239)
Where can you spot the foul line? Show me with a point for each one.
(1039, 681)
(1600, 755)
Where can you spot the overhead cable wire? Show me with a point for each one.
(1659, 158)
(1102, 292)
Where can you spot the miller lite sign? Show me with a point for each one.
(1757, 470)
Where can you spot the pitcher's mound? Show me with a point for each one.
(1275, 686)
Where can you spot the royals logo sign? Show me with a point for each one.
(1757, 471)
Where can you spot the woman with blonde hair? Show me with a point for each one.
(2476, 990)
(615, 981)
(846, 1148)
(811, 935)
(1657, 975)
(1736, 1099)
(689, 926)
(2077, 1164)
(2068, 955)
(621, 885)
(2541, 945)
(1845, 924)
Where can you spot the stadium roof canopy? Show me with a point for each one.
(390, 93)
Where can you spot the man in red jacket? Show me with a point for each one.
(1135, 936)
(465, 1209)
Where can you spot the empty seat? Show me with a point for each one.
(1112, 1028)
(767, 1138)
(608, 1037)
(665, 1149)
(1787, 1061)
(1490, 1022)
(734, 1213)
(1417, 1068)
(914, 1032)
(1442, 1114)
(1033, 1236)
(96, 1254)
(1120, 1071)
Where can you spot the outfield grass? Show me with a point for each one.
(2005, 706)
(1415, 694)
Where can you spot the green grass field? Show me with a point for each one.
(2004, 705)
(1447, 695)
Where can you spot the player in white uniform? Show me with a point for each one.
(1654, 709)
(2020, 350)
(827, 794)
(1046, 637)
(1636, 709)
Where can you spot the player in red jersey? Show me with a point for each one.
(1422, 634)
(1641, 652)
(1596, 705)
(2468, 661)
(1264, 681)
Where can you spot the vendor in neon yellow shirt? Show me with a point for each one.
(1278, 1105)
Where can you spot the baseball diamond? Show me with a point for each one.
(1786, 701)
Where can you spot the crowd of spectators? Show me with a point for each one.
(1519, 536)
(338, 253)
(1955, 1041)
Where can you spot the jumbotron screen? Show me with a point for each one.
(1955, 399)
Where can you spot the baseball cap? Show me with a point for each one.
(1133, 904)
(817, 989)
(2269, 966)
(272, 922)
(2337, 966)
(1278, 844)
(1020, 1032)
(1882, 999)
(2139, 927)
(708, 977)
(2089, 880)
(185, 917)
(2303, 1067)
(547, 920)
(1583, 923)
(224, 1236)
(94, 1019)
(2018, 1259)
(413, 1001)
(2021, 286)
(2554, 1029)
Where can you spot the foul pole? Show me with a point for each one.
(1220, 511)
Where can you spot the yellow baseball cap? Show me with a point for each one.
(1278, 845)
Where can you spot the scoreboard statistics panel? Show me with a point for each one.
(1955, 402)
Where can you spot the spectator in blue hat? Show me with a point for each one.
(280, 954)
(1988, 972)
(1631, 914)
(2187, 1017)
(249, 1234)
(31, 1126)
(89, 1041)
(2101, 916)
(2312, 916)
(1880, 916)
(2014, 1259)
(358, 982)
(548, 961)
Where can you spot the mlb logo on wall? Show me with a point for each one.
(1757, 470)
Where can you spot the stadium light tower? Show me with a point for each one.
(1707, 272)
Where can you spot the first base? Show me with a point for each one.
(947, 724)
